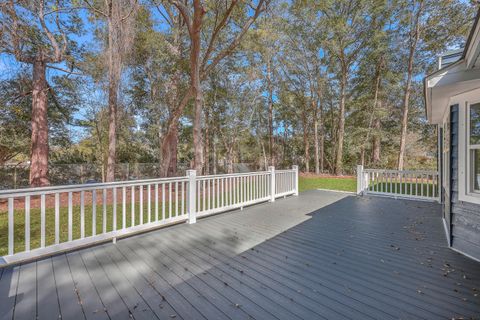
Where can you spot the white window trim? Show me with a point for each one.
(463, 101)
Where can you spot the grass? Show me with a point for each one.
(405, 188)
(35, 229)
(339, 184)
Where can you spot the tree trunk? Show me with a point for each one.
(317, 148)
(362, 156)
(374, 123)
(197, 132)
(306, 142)
(406, 100)
(169, 143)
(321, 139)
(112, 105)
(172, 167)
(39, 143)
(284, 144)
(341, 124)
(376, 142)
(315, 136)
(195, 49)
(230, 159)
(414, 37)
(214, 156)
(112, 131)
(264, 154)
(270, 113)
(207, 143)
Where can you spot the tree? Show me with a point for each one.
(304, 58)
(35, 33)
(349, 23)
(222, 17)
(429, 26)
(119, 15)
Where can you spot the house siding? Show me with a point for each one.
(465, 219)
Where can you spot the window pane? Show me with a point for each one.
(476, 169)
(475, 123)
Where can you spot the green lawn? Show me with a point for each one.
(341, 184)
(405, 188)
(19, 222)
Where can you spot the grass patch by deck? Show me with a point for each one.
(101, 226)
(331, 183)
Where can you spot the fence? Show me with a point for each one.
(42, 221)
(422, 185)
(16, 176)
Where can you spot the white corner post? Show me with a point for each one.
(192, 191)
(359, 179)
(295, 168)
(271, 169)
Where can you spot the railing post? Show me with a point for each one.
(272, 183)
(295, 168)
(192, 191)
(360, 179)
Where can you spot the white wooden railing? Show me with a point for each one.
(42, 221)
(421, 185)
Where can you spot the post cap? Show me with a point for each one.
(191, 173)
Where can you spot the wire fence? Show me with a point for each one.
(17, 176)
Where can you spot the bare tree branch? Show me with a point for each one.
(217, 30)
(56, 49)
(262, 4)
(90, 6)
(66, 71)
(184, 12)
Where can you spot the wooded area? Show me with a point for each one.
(325, 84)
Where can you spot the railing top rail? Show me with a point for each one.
(285, 170)
(108, 185)
(402, 171)
(85, 187)
(214, 176)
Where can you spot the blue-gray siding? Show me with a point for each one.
(465, 216)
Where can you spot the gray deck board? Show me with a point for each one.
(266, 278)
(337, 256)
(8, 291)
(135, 303)
(298, 262)
(322, 255)
(195, 297)
(259, 293)
(92, 304)
(299, 279)
(234, 297)
(47, 298)
(182, 271)
(114, 304)
(26, 300)
(70, 307)
(152, 298)
(170, 294)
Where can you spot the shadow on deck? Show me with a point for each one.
(320, 255)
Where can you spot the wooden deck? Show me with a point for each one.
(321, 255)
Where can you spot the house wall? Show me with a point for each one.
(465, 217)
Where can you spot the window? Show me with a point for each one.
(468, 146)
(474, 147)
